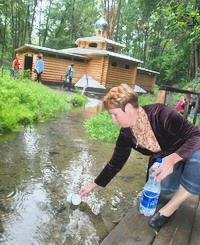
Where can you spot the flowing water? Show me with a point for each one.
(40, 166)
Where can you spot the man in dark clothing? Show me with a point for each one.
(68, 77)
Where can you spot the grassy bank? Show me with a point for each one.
(24, 102)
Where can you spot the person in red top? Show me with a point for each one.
(180, 106)
(16, 66)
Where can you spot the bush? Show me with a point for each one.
(23, 102)
(78, 99)
(100, 127)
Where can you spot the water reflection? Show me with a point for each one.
(42, 165)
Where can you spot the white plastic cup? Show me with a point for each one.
(74, 199)
(69, 197)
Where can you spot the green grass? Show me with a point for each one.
(78, 99)
(24, 102)
(100, 127)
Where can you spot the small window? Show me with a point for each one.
(114, 63)
(64, 57)
(127, 67)
(92, 45)
(111, 48)
(78, 60)
(50, 55)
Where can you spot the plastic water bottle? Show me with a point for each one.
(192, 112)
(155, 166)
(151, 192)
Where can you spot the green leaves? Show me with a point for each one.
(23, 102)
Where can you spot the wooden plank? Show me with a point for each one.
(177, 90)
(195, 234)
(162, 93)
(177, 231)
(133, 229)
(183, 228)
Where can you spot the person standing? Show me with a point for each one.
(39, 68)
(180, 105)
(69, 75)
(192, 102)
(154, 130)
(16, 66)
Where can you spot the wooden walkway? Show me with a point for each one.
(182, 229)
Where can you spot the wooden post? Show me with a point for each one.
(186, 105)
(161, 96)
(196, 110)
(86, 85)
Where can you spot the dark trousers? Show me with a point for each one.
(67, 83)
(15, 73)
(39, 76)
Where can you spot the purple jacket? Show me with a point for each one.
(172, 131)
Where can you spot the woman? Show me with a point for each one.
(180, 105)
(39, 69)
(158, 131)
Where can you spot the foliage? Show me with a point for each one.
(78, 99)
(146, 99)
(178, 48)
(61, 30)
(27, 73)
(24, 102)
(163, 34)
(195, 83)
(100, 126)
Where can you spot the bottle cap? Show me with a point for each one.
(159, 160)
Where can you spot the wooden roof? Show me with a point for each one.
(36, 48)
(84, 51)
(147, 70)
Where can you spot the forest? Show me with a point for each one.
(165, 35)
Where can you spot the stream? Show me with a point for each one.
(41, 165)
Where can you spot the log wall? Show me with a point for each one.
(118, 75)
(106, 70)
(86, 44)
(145, 81)
(55, 67)
(98, 68)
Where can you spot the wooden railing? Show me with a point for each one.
(162, 95)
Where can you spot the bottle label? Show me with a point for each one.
(149, 199)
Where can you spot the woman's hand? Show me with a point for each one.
(87, 189)
(167, 166)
